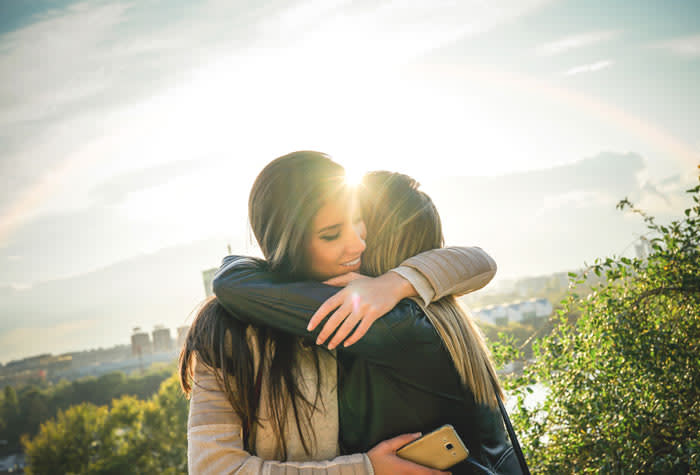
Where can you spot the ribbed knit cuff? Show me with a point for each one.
(368, 465)
(454, 270)
(423, 288)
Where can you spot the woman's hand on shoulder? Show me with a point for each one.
(385, 461)
(358, 305)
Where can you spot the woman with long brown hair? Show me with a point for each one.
(261, 399)
(418, 366)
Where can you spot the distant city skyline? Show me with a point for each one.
(131, 132)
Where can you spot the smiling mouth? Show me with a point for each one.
(351, 263)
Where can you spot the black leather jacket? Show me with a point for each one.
(397, 379)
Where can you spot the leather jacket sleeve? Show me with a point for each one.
(255, 295)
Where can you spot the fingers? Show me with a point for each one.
(344, 279)
(384, 459)
(325, 308)
(438, 472)
(360, 331)
(400, 440)
(333, 322)
(410, 467)
(344, 329)
(416, 469)
(339, 281)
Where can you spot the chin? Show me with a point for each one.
(338, 273)
(324, 276)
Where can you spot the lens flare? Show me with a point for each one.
(353, 176)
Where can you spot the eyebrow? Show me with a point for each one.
(328, 228)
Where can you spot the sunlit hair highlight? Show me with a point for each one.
(402, 221)
(284, 199)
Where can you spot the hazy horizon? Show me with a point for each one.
(131, 133)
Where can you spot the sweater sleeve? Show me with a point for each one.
(448, 271)
(215, 442)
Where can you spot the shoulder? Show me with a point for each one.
(409, 323)
(241, 263)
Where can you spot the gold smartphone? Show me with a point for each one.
(440, 449)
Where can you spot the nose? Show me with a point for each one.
(356, 244)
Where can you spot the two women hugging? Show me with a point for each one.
(273, 391)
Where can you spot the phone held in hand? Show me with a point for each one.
(439, 449)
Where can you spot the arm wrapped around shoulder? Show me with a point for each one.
(449, 271)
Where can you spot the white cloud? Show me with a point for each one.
(99, 89)
(19, 286)
(119, 187)
(577, 41)
(119, 48)
(576, 199)
(684, 46)
(55, 61)
(665, 197)
(589, 68)
(377, 34)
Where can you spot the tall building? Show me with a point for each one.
(643, 248)
(208, 276)
(140, 343)
(161, 339)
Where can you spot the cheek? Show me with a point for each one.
(323, 254)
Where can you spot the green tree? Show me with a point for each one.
(34, 409)
(34, 405)
(9, 414)
(69, 443)
(165, 428)
(624, 378)
(132, 436)
(10, 403)
(128, 447)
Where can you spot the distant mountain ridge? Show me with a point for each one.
(99, 308)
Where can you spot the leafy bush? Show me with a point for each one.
(132, 436)
(624, 377)
(23, 410)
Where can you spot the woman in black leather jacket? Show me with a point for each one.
(399, 377)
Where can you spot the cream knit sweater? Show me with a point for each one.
(214, 432)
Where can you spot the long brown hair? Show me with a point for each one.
(402, 221)
(219, 342)
(283, 201)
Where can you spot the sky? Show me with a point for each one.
(131, 130)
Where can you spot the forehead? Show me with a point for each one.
(335, 211)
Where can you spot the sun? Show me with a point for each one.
(353, 175)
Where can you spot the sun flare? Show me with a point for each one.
(353, 175)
